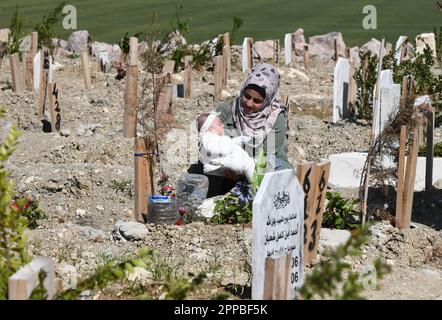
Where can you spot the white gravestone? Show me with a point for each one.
(390, 95)
(37, 71)
(245, 54)
(278, 220)
(288, 48)
(398, 51)
(341, 78)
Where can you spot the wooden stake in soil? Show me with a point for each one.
(187, 76)
(401, 178)
(218, 78)
(169, 66)
(25, 280)
(34, 43)
(277, 269)
(54, 107)
(226, 39)
(29, 61)
(86, 70)
(250, 53)
(131, 103)
(44, 67)
(306, 57)
(314, 180)
(276, 52)
(335, 45)
(133, 51)
(143, 177)
(15, 70)
(410, 174)
(226, 62)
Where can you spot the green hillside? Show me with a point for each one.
(108, 20)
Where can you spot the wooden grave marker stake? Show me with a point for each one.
(130, 102)
(161, 82)
(169, 66)
(86, 70)
(143, 177)
(25, 280)
(335, 46)
(54, 107)
(44, 72)
(278, 229)
(401, 178)
(133, 51)
(226, 58)
(218, 77)
(34, 43)
(276, 52)
(15, 71)
(277, 269)
(187, 76)
(29, 62)
(226, 41)
(404, 220)
(306, 57)
(314, 180)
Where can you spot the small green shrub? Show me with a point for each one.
(13, 252)
(231, 210)
(120, 185)
(436, 153)
(29, 208)
(16, 35)
(339, 213)
(46, 27)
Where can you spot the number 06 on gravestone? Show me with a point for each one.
(278, 220)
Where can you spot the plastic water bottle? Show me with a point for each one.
(191, 191)
(162, 209)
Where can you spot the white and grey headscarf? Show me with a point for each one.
(257, 125)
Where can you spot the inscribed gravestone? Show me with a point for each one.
(340, 89)
(278, 219)
(388, 102)
(288, 48)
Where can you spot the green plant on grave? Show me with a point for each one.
(180, 25)
(340, 212)
(236, 206)
(124, 43)
(436, 153)
(438, 36)
(16, 35)
(120, 185)
(365, 78)
(237, 23)
(46, 28)
(29, 208)
(13, 253)
(334, 279)
(231, 210)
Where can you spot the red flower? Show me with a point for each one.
(182, 211)
(168, 188)
(179, 222)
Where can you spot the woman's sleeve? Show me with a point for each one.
(281, 142)
(224, 110)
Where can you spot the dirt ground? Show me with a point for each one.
(75, 176)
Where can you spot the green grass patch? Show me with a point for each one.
(109, 20)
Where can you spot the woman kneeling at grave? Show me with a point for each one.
(258, 114)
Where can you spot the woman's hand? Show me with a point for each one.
(232, 175)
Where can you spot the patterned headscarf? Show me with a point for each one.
(257, 125)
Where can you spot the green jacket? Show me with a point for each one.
(275, 143)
